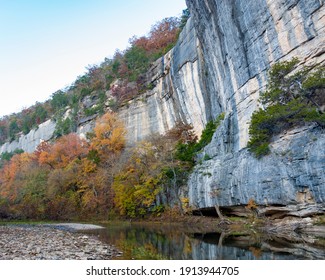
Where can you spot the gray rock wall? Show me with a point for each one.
(293, 173)
(240, 40)
(30, 141)
(178, 95)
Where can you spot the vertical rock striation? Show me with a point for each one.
(30, 141)
(240, 40)
(178, 93)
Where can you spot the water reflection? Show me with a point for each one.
(143, 241)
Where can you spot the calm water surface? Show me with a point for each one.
(164, 241)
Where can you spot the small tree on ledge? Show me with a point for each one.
(289, 100)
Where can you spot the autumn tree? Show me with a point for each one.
(32, 200)
(137, 185)
(62, 192)
(109, 137)
(162, 36)
(23, 186)
(63, 151)
(153, 174)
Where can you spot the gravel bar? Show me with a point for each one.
(75, 226)
(48, 243)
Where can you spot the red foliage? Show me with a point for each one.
(124, 91)
(161, 35)
(63, 151)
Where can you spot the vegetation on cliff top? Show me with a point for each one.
(293, 97)
(108, 84)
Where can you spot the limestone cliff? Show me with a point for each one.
(178, 93)
(29, 142)
(220, 64)
(240, 40)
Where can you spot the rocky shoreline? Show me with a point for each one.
(55, 242)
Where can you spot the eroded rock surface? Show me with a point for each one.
(240, 40)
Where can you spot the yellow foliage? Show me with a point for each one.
(251, 204)
(109, 135)
(88, 166)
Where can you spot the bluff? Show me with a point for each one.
(240, 40)
(178, 94)
(219, 65)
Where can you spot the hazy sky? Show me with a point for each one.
(46, 44)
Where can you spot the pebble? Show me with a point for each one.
(45, 243)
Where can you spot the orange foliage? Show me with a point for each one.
(42, 147)
(109, 136)
(78, 182)
(9, 173)
(251, 205)
(63, 151)
(182, 133)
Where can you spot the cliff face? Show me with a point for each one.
(292, 174)
(220, 64)
(240, 40)
(178, 93)
(30, 141)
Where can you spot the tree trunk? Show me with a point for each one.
(219, 212)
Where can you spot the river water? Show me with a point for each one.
(171, 242)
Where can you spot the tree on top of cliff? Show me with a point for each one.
(161, 36)
(128, 67)
(185, 16)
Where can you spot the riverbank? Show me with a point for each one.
(64, 241)
(245, 225)
(43, 242)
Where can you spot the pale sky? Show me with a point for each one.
(46, 44)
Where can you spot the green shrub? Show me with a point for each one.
(6, 156)
(64, 127)
(186, 151)
(59, 100)
(137, 62)
(13, 130)
(290, 100)
(185, 16)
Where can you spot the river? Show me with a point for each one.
(172, 242)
